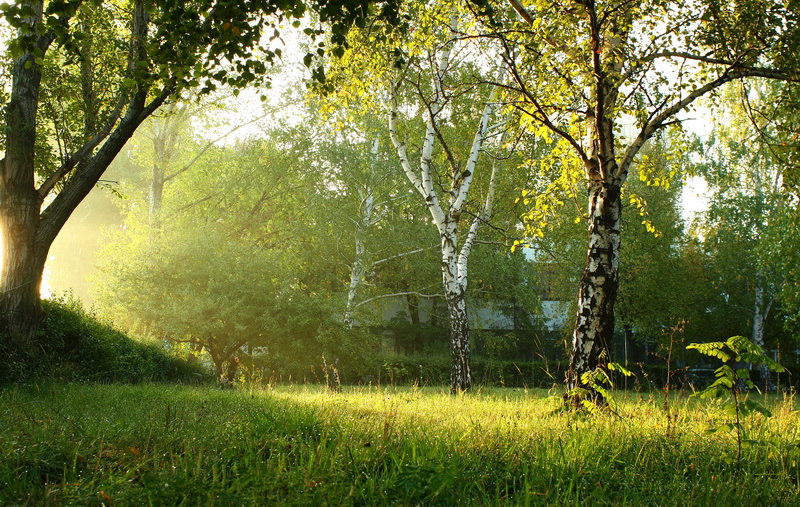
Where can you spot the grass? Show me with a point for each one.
(93, 444)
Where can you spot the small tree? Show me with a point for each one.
(730, 379)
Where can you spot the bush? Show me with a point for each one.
(73, 345)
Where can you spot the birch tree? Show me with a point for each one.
(745, 178)
(584, 69)
(446, 207)
(426, 75)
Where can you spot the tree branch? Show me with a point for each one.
(660, 120)
(387, 259)
(522, 11)
(209, 145)
(397, 294)
(85, 150)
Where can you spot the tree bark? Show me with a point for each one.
(23, 265)
(27, 230)
(460, 361)
(760, 310)
(454, 280)
(23, 257)
(594, 325)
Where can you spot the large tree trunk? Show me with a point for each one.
(23, 265)
(23, 257)
(594, 326)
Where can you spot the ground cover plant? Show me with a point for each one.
(155, 444)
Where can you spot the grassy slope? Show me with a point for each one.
(167, 445)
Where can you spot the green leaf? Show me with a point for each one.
(753, 406)
(619, 368)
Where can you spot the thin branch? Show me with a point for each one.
(660, 120)
(209, 145)
(397, 294)
(387, 259)
(692, 56)
(195, 203)
(85, 150)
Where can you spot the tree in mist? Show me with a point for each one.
(109, 66)
(228, 266)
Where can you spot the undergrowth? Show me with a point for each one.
(72, 344)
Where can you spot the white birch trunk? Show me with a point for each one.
(454, 260)
(358, 271)
(598, 288)
(760, 312)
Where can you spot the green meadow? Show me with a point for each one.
(159, 444)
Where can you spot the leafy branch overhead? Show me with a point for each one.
(196, 44)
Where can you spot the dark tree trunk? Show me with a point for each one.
(594, 326)
(23, 265)
(23, 256)
(412, 303)
(157, 182)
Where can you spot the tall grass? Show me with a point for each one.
(300, 445)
